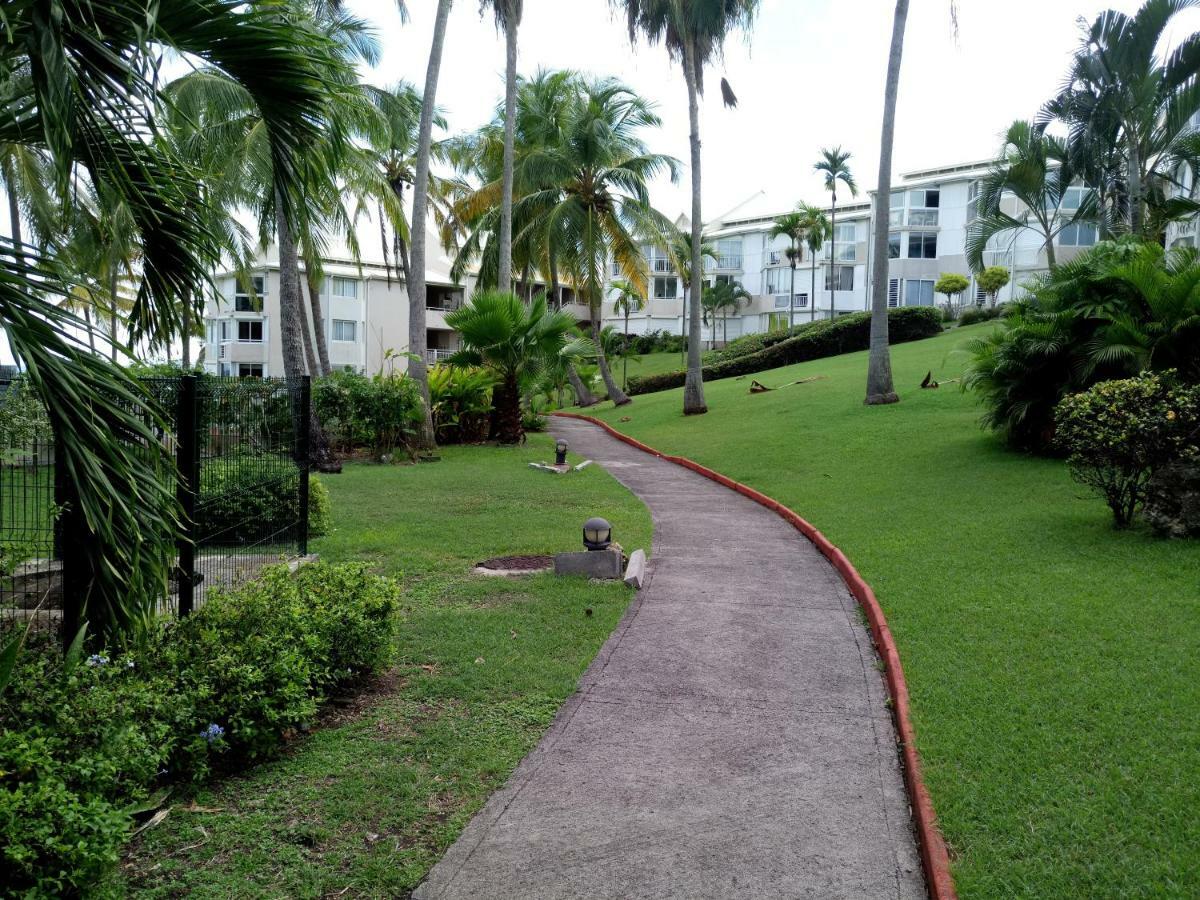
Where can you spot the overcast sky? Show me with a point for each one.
(810, 75)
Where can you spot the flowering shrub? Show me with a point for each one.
(84, 745)
(1119, 433)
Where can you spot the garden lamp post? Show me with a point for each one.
(597, 533)
(560, 452)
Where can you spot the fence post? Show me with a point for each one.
(187, 487)
(71, 540)
(302, 461)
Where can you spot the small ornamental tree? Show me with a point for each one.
(952, 285)
(991, 281)
(1119, 433)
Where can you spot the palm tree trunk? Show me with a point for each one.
(625, 360)
(555, 288)
(615, 394)
(14, 212)
(879, 365)
(583, 396)
(832, 246)
(310, 359)
(290, 311)
(507, 401)
(112, 316)
(792, 297)
(812, 288)
(1135, 185)
(318, 322)
(417, 291)
(186, 315)
(87, 318)
(693, 388)
(511, 25)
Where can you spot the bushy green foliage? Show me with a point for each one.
(1118, 433)
(991, 281)
(461, 400)
(752, 343)
(85, 743)
(656, 342)
(22, 416)
(1123, 307)
(952, 285)
(973, 315)
(380, 413)
(818, 340)
(245, 499)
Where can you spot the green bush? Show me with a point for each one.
(817, 341)
(461, 400)
(85, 744)
(22, 416)
(249, 499)
(1119, 433)
(973, 315)
(656, 342)
(380, 413)
(753, 343)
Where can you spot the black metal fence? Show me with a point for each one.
(240, 476)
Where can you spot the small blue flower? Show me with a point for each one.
(97, 660)
(212, 732)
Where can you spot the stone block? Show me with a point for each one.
(635, 572)
(592, 563)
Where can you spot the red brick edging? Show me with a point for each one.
(934, 857)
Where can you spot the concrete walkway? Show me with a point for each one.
(730, 740)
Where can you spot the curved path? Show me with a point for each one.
(731, 739)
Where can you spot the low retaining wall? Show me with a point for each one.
(934, 857)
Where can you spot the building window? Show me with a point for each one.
(779, 281)
(800, 300)
(922, 245)
(250, 370)
(342, 287)
(894, 245)
(664, 288)
(1078, 234)
(918, 293)
(896, 209)
(224, 331)
(923, 207)
(894, 292)
(729, 253)
(246, 300)
(345, 330)
(973, 201)
(250, 332)
(615, 269)
(840, 277)
(844, 242)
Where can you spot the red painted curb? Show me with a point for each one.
(934, 857)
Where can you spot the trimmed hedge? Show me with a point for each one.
(818, 340)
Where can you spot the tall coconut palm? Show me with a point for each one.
(677, 244)
(816, 231)
(417, 289)
(1120, 86)
(879, 364)
(834, 164)
(694, 32)
(626, 301)
(508, 17)
(518, 343)
(792, 226)
(95, 100)
(1037, 169)
(721, 299)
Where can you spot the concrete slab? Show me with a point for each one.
(730, 740)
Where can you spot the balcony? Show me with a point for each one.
(243, 351)
(435, 355)
(661, 265)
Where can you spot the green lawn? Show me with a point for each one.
(363, 809)
(1053, 662)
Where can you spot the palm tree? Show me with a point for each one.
(417, 288)
(1036, 169)
(508, 17)
(721, 299)
(1120, 88)
(816, 231)
(879, 363)
(627, 301)
(834, 163)
(95, 102)
(518, 343)
(677, 245)
(792, 226)
(589, 192)
(694, 32)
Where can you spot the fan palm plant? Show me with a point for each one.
(694, 32)
(834, 164)
(626, 301)
(517, 343)
(791, 225)
(90, 109)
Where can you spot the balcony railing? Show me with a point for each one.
(729, 262)
(661, 265)
(434, 355)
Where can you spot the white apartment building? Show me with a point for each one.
(929, 213)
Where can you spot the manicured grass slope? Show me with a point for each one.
(483, 665)
(1052, 661)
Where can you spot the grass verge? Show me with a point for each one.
(364, 806)
(1052, 661)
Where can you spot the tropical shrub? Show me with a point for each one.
(752, 343)
(23, 418)
(247, 499)
(1119, 433)
(973, 315)
(86, 744)
(380, 412)
(952, 285)
(819, 340)
(461, 400)
(656, 342)
(991, 281)
(1123, 307)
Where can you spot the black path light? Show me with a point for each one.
(560, 452)
(597, 533)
